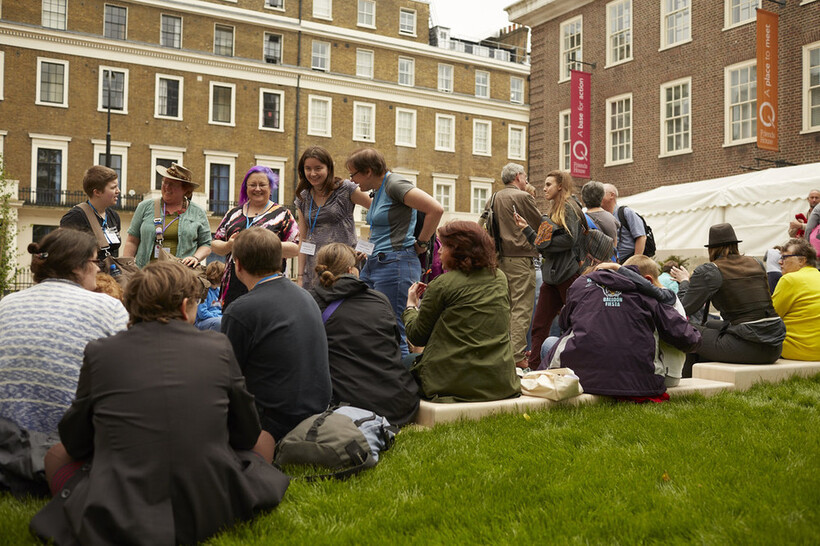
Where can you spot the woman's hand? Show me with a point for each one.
(607, 265)
(519, 221)
(414, 293)
(680, 274)
(190, 261)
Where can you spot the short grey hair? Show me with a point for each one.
(592, 193)
(612, 188)
(510, 171)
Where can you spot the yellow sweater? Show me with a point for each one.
(797, 300)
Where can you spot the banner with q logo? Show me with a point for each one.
(579, 122)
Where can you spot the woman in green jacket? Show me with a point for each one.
(463, 322)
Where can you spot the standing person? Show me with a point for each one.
(797, 300)
(102, 186)
(393, 266)
(181, 226)
(799, 227)
(812, 234)
(516, 254)
(256, 208)
(558, 240)
(592, 194)
(631, 233)
(325, 203)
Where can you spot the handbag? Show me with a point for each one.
(121, 268)
(554, 384)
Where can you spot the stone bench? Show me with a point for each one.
(744, 376)
(431, 413)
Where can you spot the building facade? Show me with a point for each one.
(673, 87)
(221, 86)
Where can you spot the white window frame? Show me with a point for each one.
(520, 154)
(117, 148)
(181, 23)
(265, 36)
(489, 151)
(157, 79)
(564, 75)
(411, 143)
(211, 120)
(362, 107)
(727, 14)
(610, 51)
(64, 103)
(61, 4)
(369, 66)
(359, 14)
(609, 161)
(408, 11)
(2, 75)
(477, 84)
(479, 183)
(727, 104)
(452, 133)
(126, 21)
(445, 181)
(275, 163)
(53, 142)
(100, 107)
(806, 89)
(277, 8)
(514, 92)
(564, 157)
(445, 88)
(221, 158)
(233, 39)
(158, 151)
(281, 94)
(408, 75)
(663, 88)
(325, 56)
(327, 13)
(665, 44)
(328, 130)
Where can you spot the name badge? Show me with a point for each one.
(156, 251)
(308, 249)
(111, 236)
(365, 247)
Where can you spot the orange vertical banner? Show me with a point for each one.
(767, 80)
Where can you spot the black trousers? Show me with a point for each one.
(721, 346)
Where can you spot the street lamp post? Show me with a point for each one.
(108, 131)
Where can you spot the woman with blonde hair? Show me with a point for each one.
(363, 340)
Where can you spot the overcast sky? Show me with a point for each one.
(470, 18)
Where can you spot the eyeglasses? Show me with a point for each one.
(784, 256)
(353, 174)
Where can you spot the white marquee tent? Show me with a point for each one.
(758, 204)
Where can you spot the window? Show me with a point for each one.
(619, 130)
(364, 63)
(676, 22)
(482, 84)
(517, 142)
(482, 137)
(49, 168)
(168, 97)
(115, 21)
(222, 103)
(170, 31)
(811, 87)
(405, 127)
(54, 14)
(2, 80)
(445, 78)
(407, 21)
(163, 155)
(740, 12)
(364, 122)
(443, 190)
(445, 133)
(52, 82)
(223, 40)
(119, 161)
(740, 82)
(319, 116)
(619, 32)
(564, 140)
(367, 14)
(407, 71)
(219, 180)
(38, 231)
(114, 80)
(571, 46)
(676, 117)
(480, 191)
(270, 109)
(277, 165)
(320, 57)
(273, 48)
(275, 4)
(323, 9)
(516, 90)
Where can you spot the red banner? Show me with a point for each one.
(579, 122)
(767, 80)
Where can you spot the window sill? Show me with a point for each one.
(371, 27)
(623, 61)
(222, 123)
(618, 163)
(169, 118)
(323, 17)
(272, 129)
(740, 142)
(118, 112)
(323, 135)
(362, 139)
(52, 104)
(482, 154)
(736, 25)
(676, 44)
(810, 130)
(405, 145)
(675, 153)
(447, 150)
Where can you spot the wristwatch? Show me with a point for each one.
(423, 244)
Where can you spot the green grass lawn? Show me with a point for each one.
(737, 468)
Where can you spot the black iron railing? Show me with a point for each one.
(45, 197)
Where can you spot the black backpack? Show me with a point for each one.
(650, 248)
(490, 223)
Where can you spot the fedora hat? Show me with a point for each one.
(722, 234)
(177, 172)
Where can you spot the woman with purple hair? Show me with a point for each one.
(255, 209)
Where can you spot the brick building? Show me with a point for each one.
(222, 85)
(673, 89)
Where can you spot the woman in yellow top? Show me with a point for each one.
(797, 300)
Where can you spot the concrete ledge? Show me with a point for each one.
(706, 387)
(744, 376)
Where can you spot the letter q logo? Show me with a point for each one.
(766, 114)
(580, 151)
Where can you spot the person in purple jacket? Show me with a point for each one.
(612, 328)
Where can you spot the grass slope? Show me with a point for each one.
(735, 468)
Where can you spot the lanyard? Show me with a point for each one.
(312, 223)
(266, 279)
(105, 217)
(372, 208)
(164, 225)
(249, 222)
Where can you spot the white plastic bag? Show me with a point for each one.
(555, 384)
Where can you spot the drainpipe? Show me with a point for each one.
(298, 101)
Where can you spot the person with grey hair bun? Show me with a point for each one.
(593, 194)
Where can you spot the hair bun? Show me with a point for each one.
(33, 248)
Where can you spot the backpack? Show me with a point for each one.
(343, 438)
(490, 223)
(650, 247)
(814, 238)
(592, 246)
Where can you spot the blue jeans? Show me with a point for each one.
(545, 349)
(392, 274)
(213, 323)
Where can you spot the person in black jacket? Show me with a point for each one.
(362, 339)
